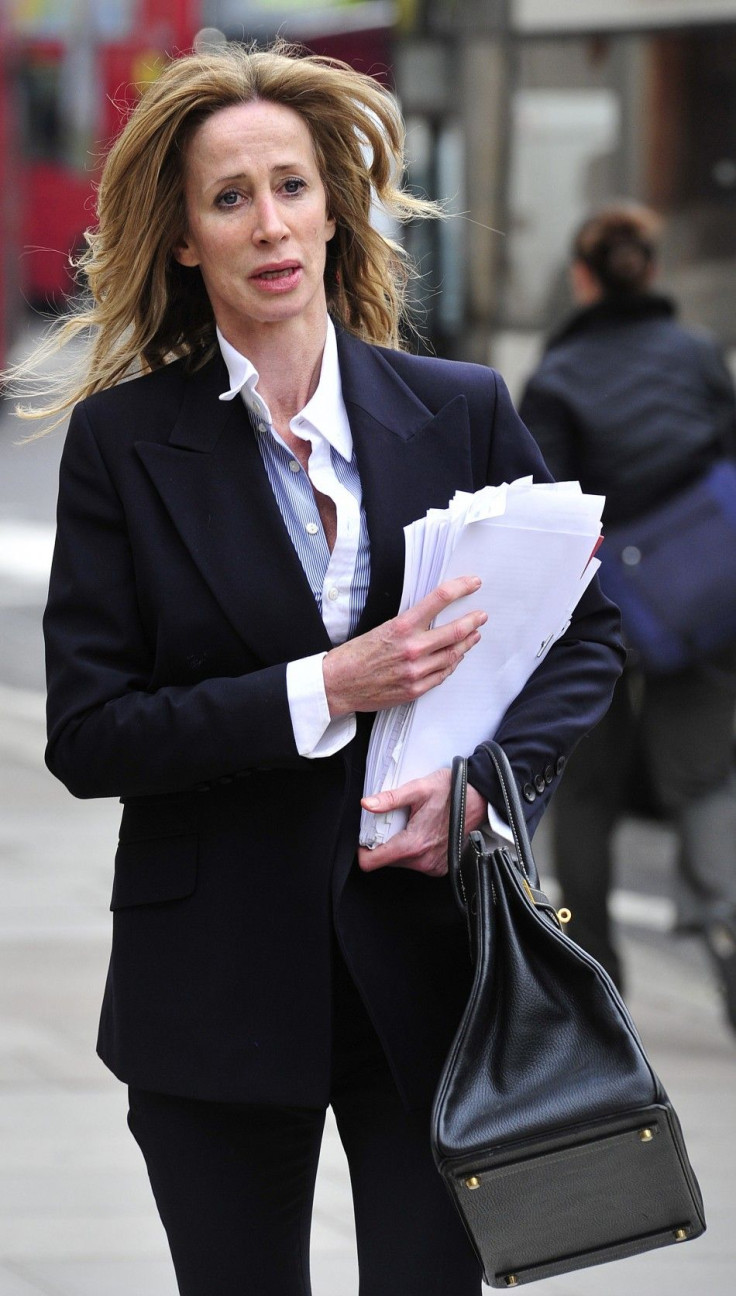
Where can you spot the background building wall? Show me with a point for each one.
(561, 106)
(521, 114)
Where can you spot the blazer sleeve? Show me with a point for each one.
(109, 732)
(571, 690)
(551, 422)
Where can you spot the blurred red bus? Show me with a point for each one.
(69, 70)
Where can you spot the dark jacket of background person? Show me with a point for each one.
(167, 688)
(635, 407)
(631, 404)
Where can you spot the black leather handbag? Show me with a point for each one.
(550, 1128)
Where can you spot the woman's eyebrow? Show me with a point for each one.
(229, 179)
(243, 175)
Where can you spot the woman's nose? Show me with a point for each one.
(269, 226)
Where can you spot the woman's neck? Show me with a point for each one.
(289, 362)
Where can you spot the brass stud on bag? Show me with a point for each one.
(646, 1135)
(680, 1235)
(511, 1280)
(472, 1182)
(564, 916)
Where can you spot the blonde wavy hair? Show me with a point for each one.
(141, 308)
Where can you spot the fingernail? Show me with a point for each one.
(371, 803)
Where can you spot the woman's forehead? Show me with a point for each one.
(259, 130)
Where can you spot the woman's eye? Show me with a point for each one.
(229, 198)
(293, 185)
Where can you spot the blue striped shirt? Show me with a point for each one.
(339, 580)
(295, 498)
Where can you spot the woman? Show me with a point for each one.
(222, 627)
(635, 407)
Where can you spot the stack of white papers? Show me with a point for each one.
(532, 546)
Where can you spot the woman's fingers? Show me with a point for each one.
(422, 845)
(449, 591)
(436, 667)
(403, 658)
(451, 642)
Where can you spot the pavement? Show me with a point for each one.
(76, 1213)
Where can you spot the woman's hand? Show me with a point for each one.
(402, 659)
(422, 845)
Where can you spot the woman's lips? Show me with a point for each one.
(277, 278)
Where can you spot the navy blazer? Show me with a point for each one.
(176, 601)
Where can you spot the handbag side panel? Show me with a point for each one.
(615, 1189)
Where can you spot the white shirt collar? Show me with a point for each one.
(324, 414)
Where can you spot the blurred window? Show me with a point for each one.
(651, 116)
(42, 126)
(435, 157)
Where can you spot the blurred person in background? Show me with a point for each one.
(635, 407)
(221, 627)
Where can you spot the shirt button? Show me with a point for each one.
(333, 593)
(312, 528)
(295, 467)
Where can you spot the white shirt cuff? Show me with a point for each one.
(315, 734)
(498, 826)
(496, 832)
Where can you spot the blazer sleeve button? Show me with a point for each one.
(549, 773)
(539, 783)
(560, 765)
(529, 792)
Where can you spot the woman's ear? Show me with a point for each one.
(185, 251)
(652, 273)
(586, 288)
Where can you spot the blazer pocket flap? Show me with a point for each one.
(153, 870)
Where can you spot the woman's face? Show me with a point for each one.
(257, 217)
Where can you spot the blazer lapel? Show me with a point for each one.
(213, 483)
(211, 479)
(410, 459)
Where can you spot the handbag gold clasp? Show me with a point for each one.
(528, 890)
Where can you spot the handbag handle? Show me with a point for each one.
(514, 815)
(456, 832)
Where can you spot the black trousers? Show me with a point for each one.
(674, 732)
(234, 1183)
